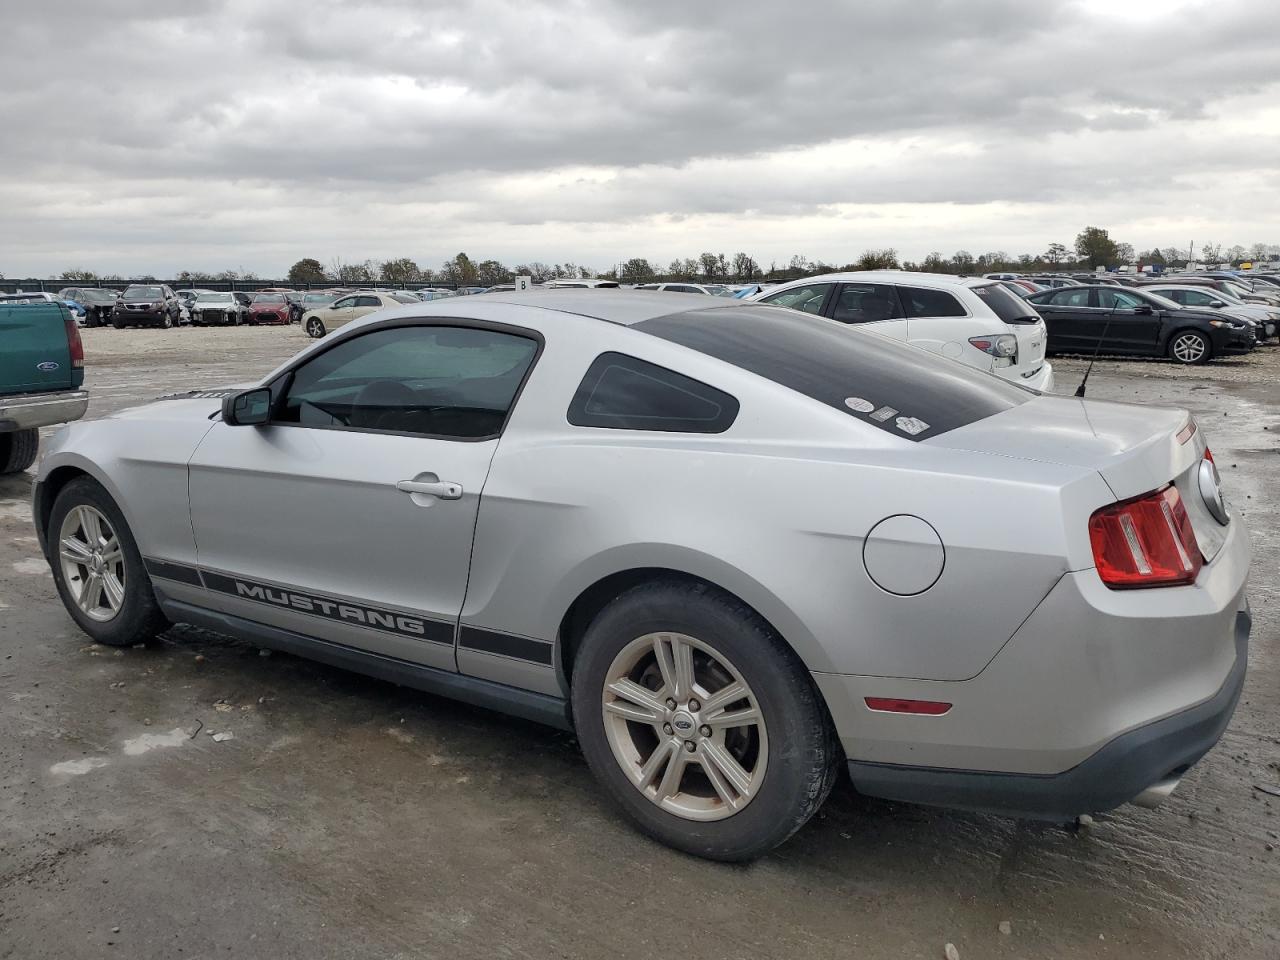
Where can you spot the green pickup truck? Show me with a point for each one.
(41, 372)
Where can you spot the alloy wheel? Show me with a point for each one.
(92, 563)
(1188, 348)
(685, 726)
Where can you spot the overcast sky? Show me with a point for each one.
(158, 135)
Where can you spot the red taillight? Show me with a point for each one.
(1208, 454)
(927, 708)
(73, 342)
(1145, 542)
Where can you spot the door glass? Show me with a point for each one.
(345, 302)
(808, 298)
(451, 382)
(1071, 297)
(1117, 300)
(866, 303)
(368, 302)
(919, 302)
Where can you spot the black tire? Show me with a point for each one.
(139, 618)
(166, 321)
(315, 328)
(92, 319)
(117, 323)
(18, 450)
(1179, 351)
(804, 754)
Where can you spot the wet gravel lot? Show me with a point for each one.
(350, 818)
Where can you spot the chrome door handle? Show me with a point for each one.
(444, 489)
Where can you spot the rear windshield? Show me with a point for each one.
(900, 389)
(1008, 306)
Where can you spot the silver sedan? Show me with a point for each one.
(735, 548)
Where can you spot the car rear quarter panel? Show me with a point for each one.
(776, 511)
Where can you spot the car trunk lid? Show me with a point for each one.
(1136, 449)
(1020, 319)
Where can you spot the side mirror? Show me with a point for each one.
(1143, 308)
(333, 306)
(1216, 304)
(249, 408)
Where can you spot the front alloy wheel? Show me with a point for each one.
(685, 726)
(315, 328)
(92, 563)
(1189, 347)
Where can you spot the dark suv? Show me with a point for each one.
(146, 305)
(1118, 320)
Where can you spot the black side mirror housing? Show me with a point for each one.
(249, 408)
(1143, 308)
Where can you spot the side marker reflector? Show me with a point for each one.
(926, 708)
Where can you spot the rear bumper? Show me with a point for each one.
(1041, 379)
(1153, 754)
(29, 410)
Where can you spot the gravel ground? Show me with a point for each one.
(352, 819)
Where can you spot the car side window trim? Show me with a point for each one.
(280, 384)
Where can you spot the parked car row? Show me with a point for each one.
(1233, 302)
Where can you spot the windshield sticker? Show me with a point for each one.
(911, 425)
(883, 414)
(858, 404)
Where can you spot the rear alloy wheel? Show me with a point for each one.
(315, 328)
(98, 569)
(700, 722)
(1190, 346)
(690, 713)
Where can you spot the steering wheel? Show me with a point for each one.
(380, 404)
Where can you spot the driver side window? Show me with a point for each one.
(808, 298)
(450, 382)
(1117, 300)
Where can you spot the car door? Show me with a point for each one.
(1068, 316)
(339, 312)
(349, 516)
(932, 320)
(1131, 323)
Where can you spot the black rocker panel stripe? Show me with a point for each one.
(167, 570)
(505, 645)
(341, 611)
(360, 614)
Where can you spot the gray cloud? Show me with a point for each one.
(180, 134)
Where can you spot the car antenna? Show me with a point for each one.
(1115, 303)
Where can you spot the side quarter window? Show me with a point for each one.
(454, 383)
(623, 393)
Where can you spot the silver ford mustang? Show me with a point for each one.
(732, 546)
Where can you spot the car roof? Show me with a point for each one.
(911, 277)
(611, 304)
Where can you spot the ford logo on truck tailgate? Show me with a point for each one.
(48, 366)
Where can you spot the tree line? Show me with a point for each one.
(1094, 247)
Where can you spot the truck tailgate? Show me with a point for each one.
(34, 353)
